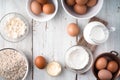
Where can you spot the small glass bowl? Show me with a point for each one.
(26, 60)
(2, 26)
(87, 67)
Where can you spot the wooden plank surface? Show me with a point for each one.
(7, 6)
(110, 13)
(51, 40)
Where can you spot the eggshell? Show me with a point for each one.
(40, 62)
(101, 63)
(80, 9)
(73, 29)
(91, 3)
(104, 75)
(36, 7)
(42, 1)
(70, 2)
(112, 66)
(81, 2)
(48, 8)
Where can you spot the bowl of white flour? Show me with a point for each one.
(13, 64)
(78, 59)
(14, 27)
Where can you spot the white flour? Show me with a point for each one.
(77, 57)
(14, 27)
(12, 65)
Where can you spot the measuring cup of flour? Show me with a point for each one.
(96, 32)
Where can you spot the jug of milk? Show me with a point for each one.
(96, 33)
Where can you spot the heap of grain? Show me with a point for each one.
(13, 65)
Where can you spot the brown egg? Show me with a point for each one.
(80, 9)
(73, 29)
(36, 7)
(91, 3)
(81, 2)
(70, 2)
(112, 66)
(101, 63)
(42, 1)
(104, 74)
(40, 62)
(48, 8)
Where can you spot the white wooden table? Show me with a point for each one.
(51, 40)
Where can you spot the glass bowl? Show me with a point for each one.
(24, 57)
(88, 64)
(3, 23)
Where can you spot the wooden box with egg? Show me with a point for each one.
(107, 66)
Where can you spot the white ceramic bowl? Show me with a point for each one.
(41, 17)
(91, 13)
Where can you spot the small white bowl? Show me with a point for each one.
(91, 13)
(41, 17)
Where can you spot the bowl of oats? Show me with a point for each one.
(13, 64)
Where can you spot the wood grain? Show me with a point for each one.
(51, 40)
(7, 6)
